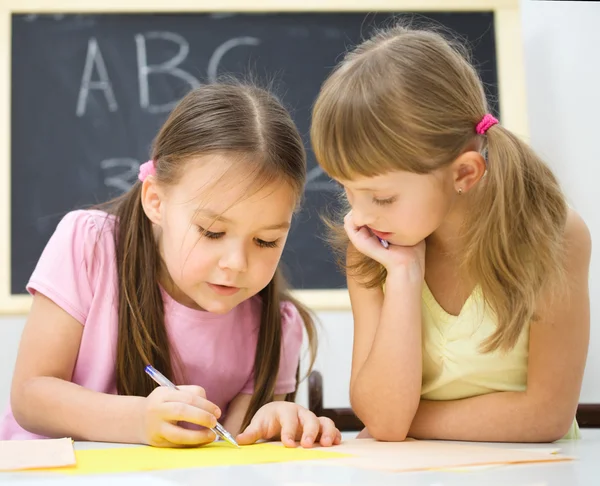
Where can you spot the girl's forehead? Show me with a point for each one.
(268, 208)
(393, 180)
(218, 189)
(374, 183)
(226, 178)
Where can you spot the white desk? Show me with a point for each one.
(585, 471)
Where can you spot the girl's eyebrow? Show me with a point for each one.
(218, 217)
(212, 215)
(284, 225)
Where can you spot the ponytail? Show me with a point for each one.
(142, 334)
(514, 234)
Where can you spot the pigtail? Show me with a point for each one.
(514, 235)
(142, 337)
(268, 347)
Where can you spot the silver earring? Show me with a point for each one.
(460, 191)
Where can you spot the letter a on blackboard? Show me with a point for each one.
(94, 59)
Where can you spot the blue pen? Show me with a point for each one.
(162, 380)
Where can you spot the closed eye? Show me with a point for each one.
(384, 202)
(267, 244)
(209, 234)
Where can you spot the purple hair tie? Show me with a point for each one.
(146, 169)
(484, 125)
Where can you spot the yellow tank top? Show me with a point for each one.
(453, 366)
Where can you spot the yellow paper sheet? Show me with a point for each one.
(130, 459)
(32, 454)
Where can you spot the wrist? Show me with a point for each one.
(137, 420)
(408, 275)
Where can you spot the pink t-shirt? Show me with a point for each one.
(77, 270)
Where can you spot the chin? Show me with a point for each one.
(217, 305)
(404, 241)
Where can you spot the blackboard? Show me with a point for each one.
(89, 93)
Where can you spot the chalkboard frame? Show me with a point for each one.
(510, 67)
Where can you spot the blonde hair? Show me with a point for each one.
(409, 99)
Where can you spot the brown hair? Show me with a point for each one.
(409, 99)
(227, 117)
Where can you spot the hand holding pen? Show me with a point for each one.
(192, 407)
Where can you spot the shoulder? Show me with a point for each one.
(87, 236)
(578, 242)
(86, 223)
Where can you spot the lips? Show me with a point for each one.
(223, 289)
(380, 234)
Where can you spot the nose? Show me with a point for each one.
(234, 258)
(361, 218)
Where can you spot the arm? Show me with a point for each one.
(383, 399)
(557, 354)
(385, 384)
(45, 402)
(43, 399)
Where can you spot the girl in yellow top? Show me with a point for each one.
(483, 328)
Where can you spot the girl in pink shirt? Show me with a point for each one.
(181, 272)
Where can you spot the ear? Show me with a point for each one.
(467, 170)
(152, 199)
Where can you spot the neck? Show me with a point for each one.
(447, 239)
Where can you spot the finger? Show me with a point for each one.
(200, 399)
(329, 432)
(194, 390)
(183, 412)
(360, 237)
(261, 426)
(338, 438)
(288, 420)
(188, 398)
(186, 437)
(310, 427)
(253, 432)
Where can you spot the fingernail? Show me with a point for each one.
(217, 412)
(309, 438)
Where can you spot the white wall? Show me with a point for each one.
(563, 73)
(562, 66)
(10, 333)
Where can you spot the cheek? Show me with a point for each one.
(433, 211)
(421, 216)
(265, 263)
(185, 254)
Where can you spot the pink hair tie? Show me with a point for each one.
(484, 125)
(146, 169)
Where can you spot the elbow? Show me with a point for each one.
(552, 426)
(383, 425)
(19, 405)
(555, 428)
(387, 432)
